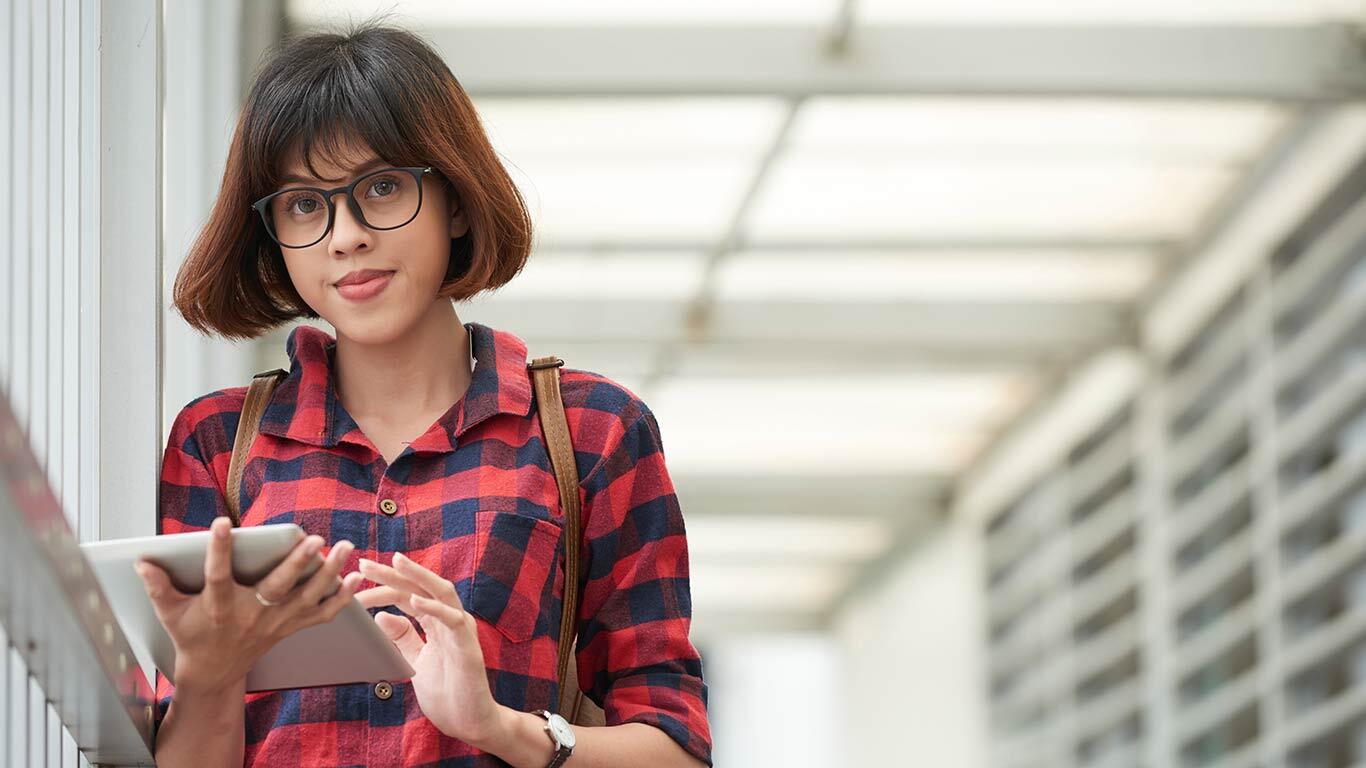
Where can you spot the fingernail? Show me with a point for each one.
(398, 557)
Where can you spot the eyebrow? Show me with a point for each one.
(365, 166)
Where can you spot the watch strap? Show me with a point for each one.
(561, 755)
(562, 752)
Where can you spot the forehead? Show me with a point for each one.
(329, 161)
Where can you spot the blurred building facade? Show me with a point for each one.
(1184, 582)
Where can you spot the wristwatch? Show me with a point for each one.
(560, 734)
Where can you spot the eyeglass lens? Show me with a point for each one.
(386, 199)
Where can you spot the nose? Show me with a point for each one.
(348, 233)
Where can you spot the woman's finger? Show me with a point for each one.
(383, 574)
(450, 616)
(328, 609)
(282, 579)
(378, 597)
(325, 578)
(401, 633)
(432, 584)
(218, 582)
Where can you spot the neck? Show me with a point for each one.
(424, 370)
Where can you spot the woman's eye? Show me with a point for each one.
(382, 188)
(304, 206)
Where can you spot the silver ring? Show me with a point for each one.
(263, 601)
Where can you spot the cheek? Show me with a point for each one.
(305, 268)
(426, 250)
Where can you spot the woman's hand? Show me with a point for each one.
(449, 678)
(220, 632)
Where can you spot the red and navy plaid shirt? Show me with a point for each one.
(476, 501)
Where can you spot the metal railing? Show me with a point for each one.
(64, 643)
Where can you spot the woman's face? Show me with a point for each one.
(413, 258)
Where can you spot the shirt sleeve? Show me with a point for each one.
(634, 657)
(189, 496)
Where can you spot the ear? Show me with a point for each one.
(459, 226)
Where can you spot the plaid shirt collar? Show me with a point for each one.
(304, 407)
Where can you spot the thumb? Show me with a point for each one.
(400, 631)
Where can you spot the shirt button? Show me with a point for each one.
(383, 690)
(388, 506)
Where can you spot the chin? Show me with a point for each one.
(374, 330)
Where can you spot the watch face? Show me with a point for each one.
(562, 730)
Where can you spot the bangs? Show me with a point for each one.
(326, 99)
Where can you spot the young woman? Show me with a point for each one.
(360, 188)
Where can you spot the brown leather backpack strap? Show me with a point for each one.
(545, 376)
(258, 395)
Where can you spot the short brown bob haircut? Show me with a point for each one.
(374, 84)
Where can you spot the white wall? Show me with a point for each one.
(774, 701)
(913, 660)
(203, 82)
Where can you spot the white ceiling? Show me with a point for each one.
(835, 303)
(795, 12)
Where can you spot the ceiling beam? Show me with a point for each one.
(697, 319)
(719, 624)
(1007, 327)
(868, 497)
(1309, 63)
(907, 247)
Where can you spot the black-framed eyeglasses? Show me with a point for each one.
(297, 217)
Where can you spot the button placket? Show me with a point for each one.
(387, 496)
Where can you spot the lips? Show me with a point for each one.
(363, 284)
(362, 276)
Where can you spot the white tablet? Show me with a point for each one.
(349, 649)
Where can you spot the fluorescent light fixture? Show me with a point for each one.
(581, 12)
(540, 320)
(897, 198)
(799, 586)
(578, 199)
(610, 169)
(970, 276)
(985, 130)
(636, 128)
(1092, 12)
(925, 399)
(832, 425)
(748, 449)
(962, 168)
(581, 275)
(730, 537)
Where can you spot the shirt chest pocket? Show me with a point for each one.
(516, 585)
